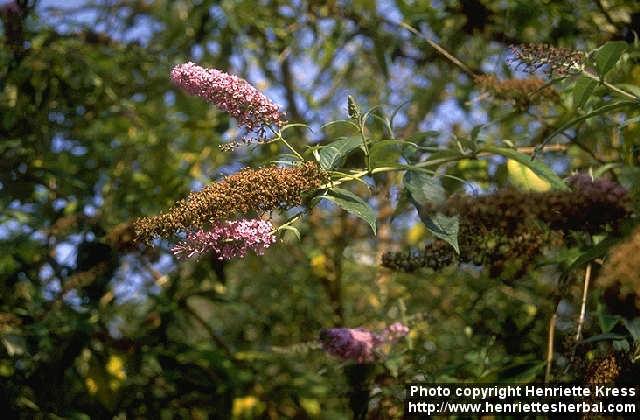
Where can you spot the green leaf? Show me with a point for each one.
(596, 251)
(393, 364)
(608, 55)
(537, 166)
(353, 204)
(633, 89)
(291, 229)
(524, 178)
(424, 189)
(336, 122)
(621, 345)
(633, 327)
(443, 227)
(582, 90)
(385, 152)
(598, 111)
(423, 137)
(381, 56)
(333, 154)
(607, 322)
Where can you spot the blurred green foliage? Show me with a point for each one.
(93, 135)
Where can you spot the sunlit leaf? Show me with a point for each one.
(608, 55)
(353, 204)
(523, 177)
(536, 166)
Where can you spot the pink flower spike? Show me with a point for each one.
(232, 94)
(357, 344)
(228, 240)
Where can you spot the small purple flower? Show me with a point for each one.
(359, 344)
(232, 94)
(228, 240)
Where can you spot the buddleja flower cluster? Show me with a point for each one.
(522, 91)
(553, 60)
(623, 266)
(250, 191)
(230, 93)
(606, 369)
(207, 219)
(359, 344)
(228, 240)
(512, 227)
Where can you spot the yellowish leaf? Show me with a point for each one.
(525, 178)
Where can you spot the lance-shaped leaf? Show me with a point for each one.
(537, 166)
(353, 204)
(608, 55)
(582, 90)
(443, 227)
(333, 154)
(424, 188)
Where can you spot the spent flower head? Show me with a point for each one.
(248, 192)
(523, 92)
(553, 60)
(510, 228)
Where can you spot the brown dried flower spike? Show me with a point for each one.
(250, 191)
(554, 60)
(522, 91)
(623, 265)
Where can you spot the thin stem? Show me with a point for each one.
(583, 309)
(438, 48)
(552, 330)
(527, 150)
(419, 166)
(289, 222)
(610, 86)
(294, 151)
(365, 143)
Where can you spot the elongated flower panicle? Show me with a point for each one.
(510, 228)
(250, 191)
(589, 206)
(522, 91)
(228, 240)
(229, 93)
(553, 60)
(359, 344)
